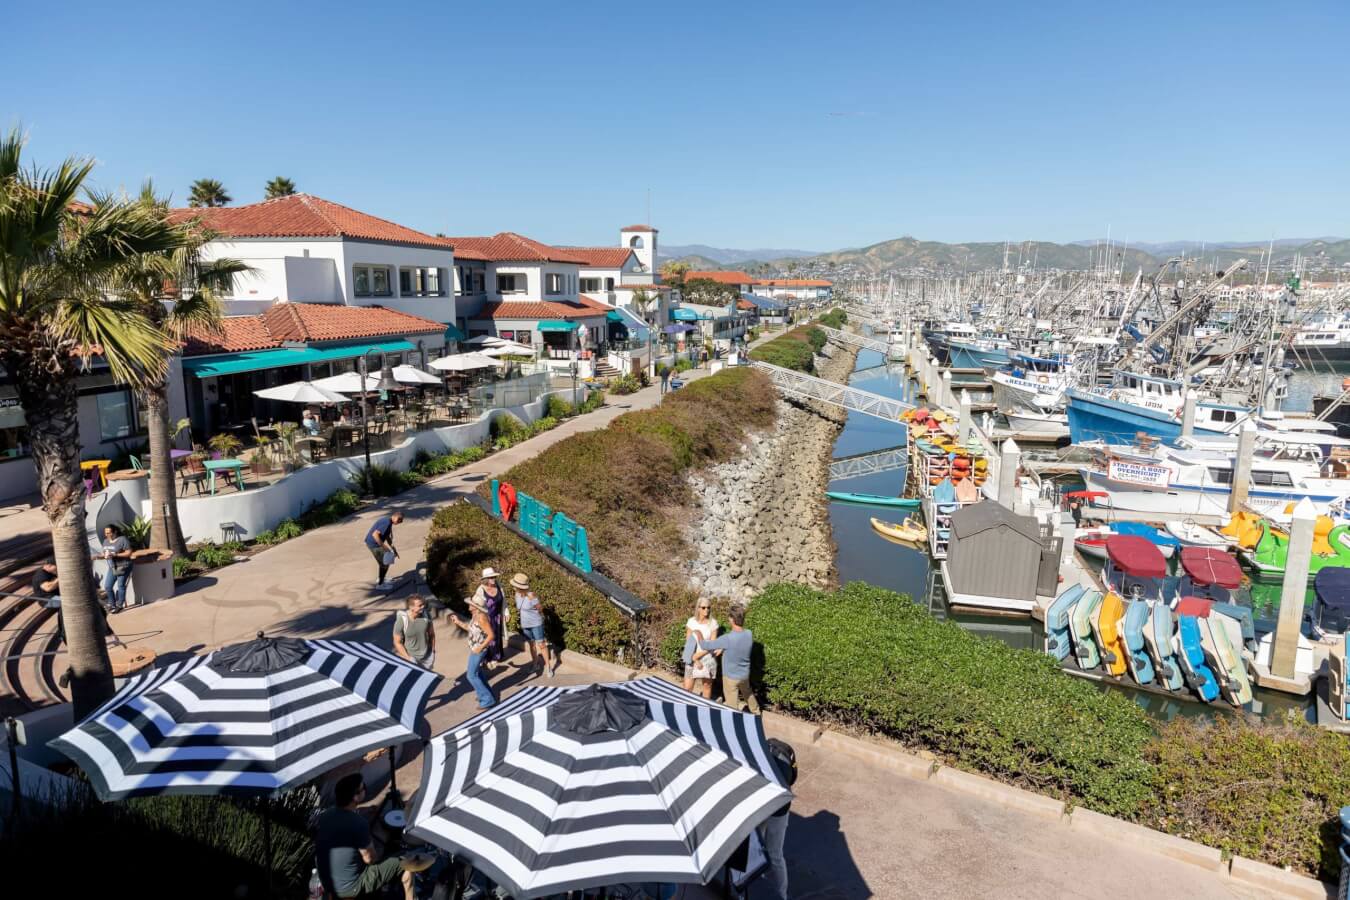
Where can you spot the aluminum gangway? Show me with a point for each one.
(809, 387)
(885, 348)
(869, 463)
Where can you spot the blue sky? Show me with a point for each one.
(810, 125)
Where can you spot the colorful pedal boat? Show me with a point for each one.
(1109, 629)
(1159, 636)
(1191, 656)
(1224, 659)
(1057, 638)
(1136, 657)
(1085, 649)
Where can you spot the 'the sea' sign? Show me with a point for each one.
(550, 529)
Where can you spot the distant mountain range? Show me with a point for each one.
(912, 254)
(725, 256)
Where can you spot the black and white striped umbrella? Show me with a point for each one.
(567, 788)
(250, 719)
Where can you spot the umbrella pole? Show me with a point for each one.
(267, 845)
(394, 797)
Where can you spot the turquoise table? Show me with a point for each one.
(225, 465)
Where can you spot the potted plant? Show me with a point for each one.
(261, 463)
(287, 435)
(227, 445)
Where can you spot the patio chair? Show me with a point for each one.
(193, 473)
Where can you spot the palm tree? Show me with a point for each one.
(208, 192)
(647, 303)
(57, 257)
(279, 187)
(189, 305)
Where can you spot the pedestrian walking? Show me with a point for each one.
(117, 555)
(701, 627)
(414, 634)
(481, 636)
(736, 646)
(531, 612)
(773, 831)
(380, 543)
(494, 601)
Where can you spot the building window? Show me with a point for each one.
(524, 337)
(479, 280)
(116, 415)
(371, 281)
(507, 335)
(609, 284)
(553, 283)
(506, 284)
(414, 282)
(590, 285)
(636, 242)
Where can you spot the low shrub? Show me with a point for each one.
(625, 384)
(789, 351)
(382, 481)
(213, 847)
(682, 365)
(871, 658)
(835, 318)
(1263, 791)
(183, 566)
(210, 555)
(335, 507)
(594, 400)
(464, 539)
(430, 465)
(559, 408)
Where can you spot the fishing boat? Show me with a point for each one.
(1031, 383)
(987, 353)
(1044, 423)
(874, 499)
(909, 531)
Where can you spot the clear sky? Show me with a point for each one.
(788, 125)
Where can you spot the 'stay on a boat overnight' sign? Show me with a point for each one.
(541, 524)
(1138, 473)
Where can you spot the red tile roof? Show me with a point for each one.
(794, 282)
(528, 309)
(511, 247)
(306, 322)
(637, 228)
(303, 215)
(601, 257)
(726, 276)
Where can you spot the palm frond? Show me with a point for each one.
(136, 352)
(197, 312)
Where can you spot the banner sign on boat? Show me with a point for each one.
(1138, 473)
(547, 528)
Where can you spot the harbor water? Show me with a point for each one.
(864, 555)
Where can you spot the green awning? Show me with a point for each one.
(556, 325)
(255, 360)
(613, 316)
(453, 334)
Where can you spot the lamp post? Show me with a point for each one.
(574, 368)
(387, 383)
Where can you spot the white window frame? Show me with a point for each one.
(554, 283)
(511, 278)
(370, 271)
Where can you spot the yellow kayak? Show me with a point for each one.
(908, 531)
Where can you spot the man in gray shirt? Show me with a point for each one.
(414, 637)
(736, 646)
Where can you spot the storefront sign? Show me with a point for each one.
(554, 530)
(1138, 473)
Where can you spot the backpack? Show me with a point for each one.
(786, 758)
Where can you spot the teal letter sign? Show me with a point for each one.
(550, 529)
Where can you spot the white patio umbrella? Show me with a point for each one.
(301, 392)
(463, 362)
(349, 383)
(413, 375)
(484, 340)
(508, 348)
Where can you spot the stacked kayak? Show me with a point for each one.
(1133, 632)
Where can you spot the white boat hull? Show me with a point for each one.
(1038, 423)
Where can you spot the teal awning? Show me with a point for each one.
(684, 315)
(255, 360)
(556, 325)
(613, 316)
(453, 334)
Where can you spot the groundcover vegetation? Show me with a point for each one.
(871, 658)
(795, 349)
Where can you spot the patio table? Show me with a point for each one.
(228, 465)
(100, 466)
(177, 456)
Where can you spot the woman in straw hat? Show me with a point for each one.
(531, 612)
(494, 601)
(481, 637)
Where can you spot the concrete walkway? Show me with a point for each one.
(857, 830)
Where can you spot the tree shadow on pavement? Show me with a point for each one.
(820, 864)
(339, 623)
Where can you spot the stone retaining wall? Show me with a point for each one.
(762, 518)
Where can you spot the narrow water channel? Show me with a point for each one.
(864, 555)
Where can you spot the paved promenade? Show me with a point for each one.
(857, 831)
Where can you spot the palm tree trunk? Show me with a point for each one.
(51, 407)
(165, 531)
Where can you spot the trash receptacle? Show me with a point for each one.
(151, 576)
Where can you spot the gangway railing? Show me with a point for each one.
(857, 340)
(809, 387)
(869, 463)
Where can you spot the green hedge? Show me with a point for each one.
(835, 318)
(464, 539)
(795, 349)
(872, 658)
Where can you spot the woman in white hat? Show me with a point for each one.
(481, 637)
(531, 612)
(492, 597)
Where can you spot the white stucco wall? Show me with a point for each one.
(259, 509)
